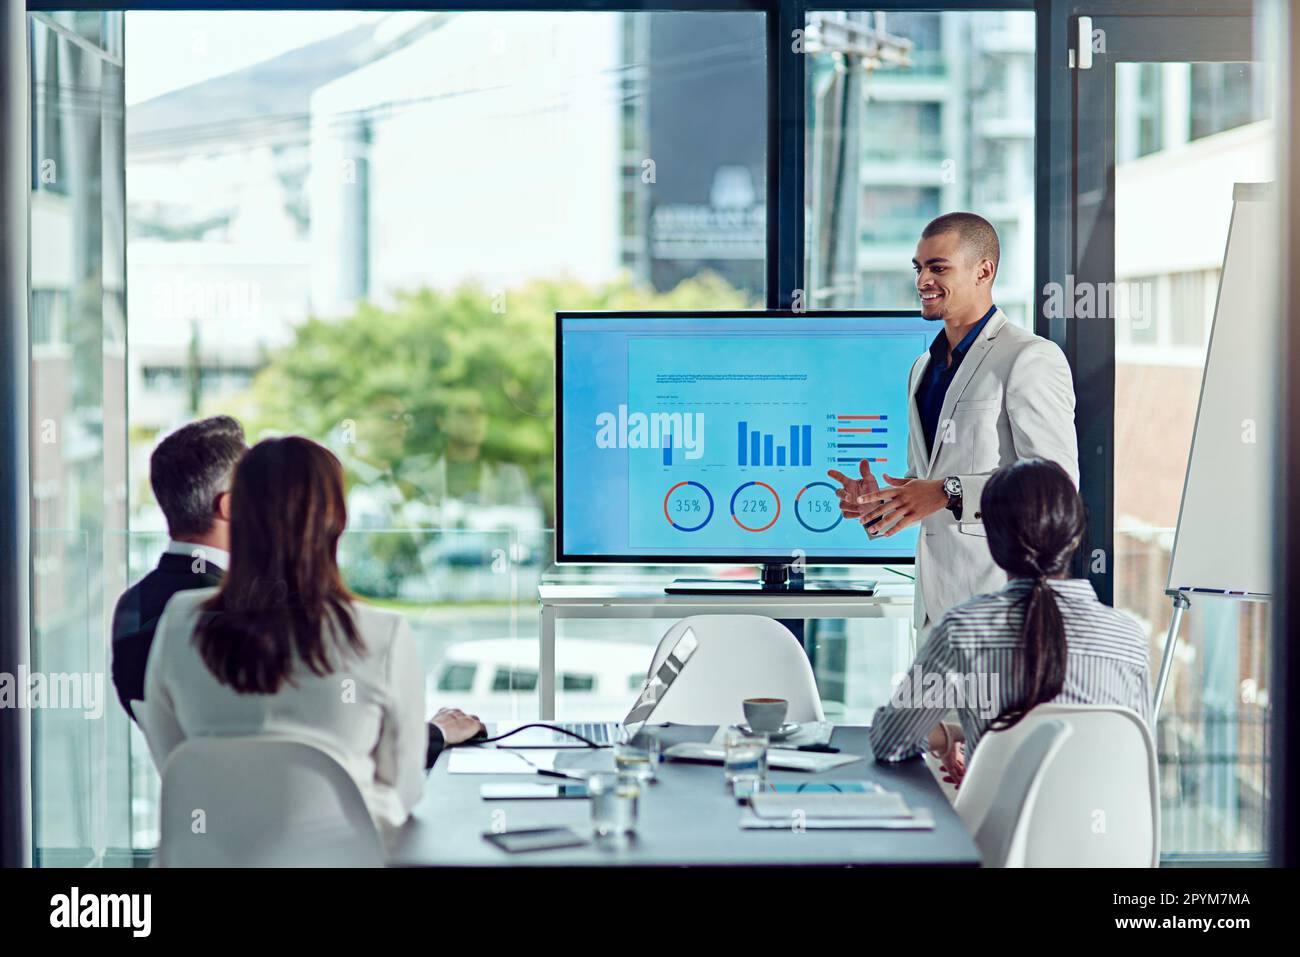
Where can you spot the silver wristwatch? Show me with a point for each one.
(952, 487)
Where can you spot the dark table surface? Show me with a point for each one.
(686, 817)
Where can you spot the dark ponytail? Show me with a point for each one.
(1034, 520)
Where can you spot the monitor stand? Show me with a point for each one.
(777, 579)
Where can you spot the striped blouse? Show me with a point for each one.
(968, 663)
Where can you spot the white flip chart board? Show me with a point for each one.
(1226, 525)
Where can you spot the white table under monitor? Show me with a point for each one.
(582, 598)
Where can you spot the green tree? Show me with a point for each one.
(423, 399)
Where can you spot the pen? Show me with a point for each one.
(558, 774)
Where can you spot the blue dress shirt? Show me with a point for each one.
(939, 374)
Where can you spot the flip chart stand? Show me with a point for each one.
(1181, 604)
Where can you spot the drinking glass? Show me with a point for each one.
(744, 764)
(614, 800)
(637, 760)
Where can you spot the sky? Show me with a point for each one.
(168, 51)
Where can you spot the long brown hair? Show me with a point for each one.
(283, 590)
(1034, 519)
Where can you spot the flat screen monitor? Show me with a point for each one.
(706, 437)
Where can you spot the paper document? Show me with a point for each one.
(920, 820)
(813, 761)
(852, 806)
(500, 761)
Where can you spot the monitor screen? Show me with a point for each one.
(706, 437)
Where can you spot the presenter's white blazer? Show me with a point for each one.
(1012, 398)
(368, 714)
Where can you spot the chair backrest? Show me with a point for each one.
(1097, 803)
(1002, 835)
(739, 657)
(262, 802)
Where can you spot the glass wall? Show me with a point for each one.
(1185, 129)
(78, 429)
(911, 115)
(358, 227)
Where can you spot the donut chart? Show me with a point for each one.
(687, 507)
(819, 504)
(756, 506)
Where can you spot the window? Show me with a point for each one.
(319, 259)
(946, 123)
(903, 132)
(371, 254)
(514, 679)
(48, 318)
(1190, 310)
(78, 428)
(1226, 96)
(457, 676)
(1214, 720)
(576, 682)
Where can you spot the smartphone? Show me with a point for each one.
(532, 792)
(535, 839)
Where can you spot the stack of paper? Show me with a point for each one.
(776, 757)
(883, 810)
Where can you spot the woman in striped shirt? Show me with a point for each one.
(1043, 637)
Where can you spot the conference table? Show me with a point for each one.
(686, 817)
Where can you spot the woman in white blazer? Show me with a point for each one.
(280, 648)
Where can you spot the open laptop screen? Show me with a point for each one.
(658, 683)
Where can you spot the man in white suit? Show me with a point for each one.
(985, 394)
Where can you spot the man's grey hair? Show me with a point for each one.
(190, 468)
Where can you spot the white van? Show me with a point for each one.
(497, 678)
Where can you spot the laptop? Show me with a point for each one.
(604, 733)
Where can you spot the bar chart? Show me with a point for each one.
(740, 435)
(757, 448)
(858, 437)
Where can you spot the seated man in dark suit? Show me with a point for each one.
(190, 472)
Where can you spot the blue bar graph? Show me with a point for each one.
(755, 447)
(668, 448)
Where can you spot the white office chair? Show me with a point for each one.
(739, 657)
(1095, 801)
(262, 802)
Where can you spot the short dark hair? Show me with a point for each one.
(975, 232)
(191, 467)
